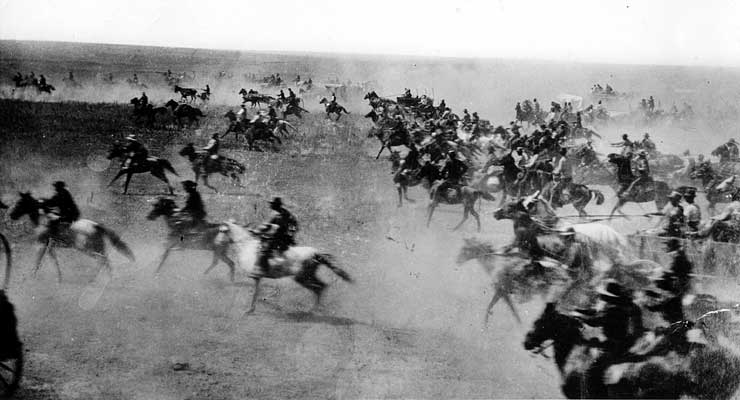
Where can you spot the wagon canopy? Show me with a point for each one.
(576, 101)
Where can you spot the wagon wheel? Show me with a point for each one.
(10, 373)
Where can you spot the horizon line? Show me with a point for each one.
(315, 53)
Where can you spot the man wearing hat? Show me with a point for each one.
(143, 100)
(562, 176)
(732, 153)
(643, 170)
(626, 144)
(278, 234)
(62, 209)
(647, 144)
(211, 150)
(194, 207)
(621, 324)
(136, 153)
(692, 211)
(453, 172)
(672, 219)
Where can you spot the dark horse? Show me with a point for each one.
(186, 92)
(153, 165)
(254, 98)
(332, 108)
(426, 175)
(181, 111)
(674, 370)
(712, 182)
(84, 235)
(572, 193)
(655, 191)
(224, 166)
(462, 194)
(390, 137)
(181, 238)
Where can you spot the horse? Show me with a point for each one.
(651, 191)
(261, 131)
(149, 112)
(155, 166)
(184, 111)
(299, 262)
(225, 166)
(724, 153)
(183, 239)
(293, 109)
(572, 193)
(704, 371)
(462, 194)
(83, 235)
(332, 108)
(714, 185)
(390, 137)
(186, 92)
(255, 98)
(426, 175)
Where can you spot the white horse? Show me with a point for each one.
(300, 262)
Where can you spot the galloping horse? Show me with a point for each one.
(705, 371)
(255, 98)
(299, 262)
(465, 195)
(225, 166)
(426, 175)
(572, 193)
(184, 111)
(83, 235)
(149, 112)
(332, 108)
(715, 189)
(186, 92)
(180, 238)
(651, 191)
(155, 166)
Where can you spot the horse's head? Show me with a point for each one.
(510, 210)
(134, 101)
(116, 150)
(26, 204)
(323, 100)
(551, 325)
(171, 104)
(243, 92)
(188, 150)
(614, 158)
(162, 207)
(177, 88)
(472, 249)
(230, 115)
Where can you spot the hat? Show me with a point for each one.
(625, 136)
(732, 141)
(647, 134)
(59, 184)
(214, 135)
(689, 192)
(643, 152)
(189, 184)
(277, 202)
(674, 195)
(131, 137)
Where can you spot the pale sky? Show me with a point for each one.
(643, 32)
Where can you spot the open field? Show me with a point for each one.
(410, 327)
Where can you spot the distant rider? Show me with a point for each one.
(136, 153)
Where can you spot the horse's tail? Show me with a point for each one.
(116, 241)
(598, 195)
(8, 261)
(168, 166)
(327, 259)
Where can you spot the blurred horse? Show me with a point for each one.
(83, 235)
(332, 108)
(181, 238)
(223, 165)
(184, 111)
(186, 93)
(299, 262)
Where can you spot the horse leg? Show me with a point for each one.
(159, 174)
(476, 216)
(118, 175)
(382, 147)
(400, 195)
(40, 256)
(617, 207)
(53, 255)
(163, 258)
(309, 280)
(510, 303)
(128, 179)
(254, 295)
(430, 211)
(466, 213)
(208, 185)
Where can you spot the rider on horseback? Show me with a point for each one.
(673, 218)
(136, 153)
(692, 211)
(194, 211)
(562, 176)
(453, 173)
(410, 163)
(42, 81)
(647, 144)
(211, 149)
(278, 234)
(143, 100)
(642, 168)
(621, 324)
(62, 210)
(733, 154)
(626, 145)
